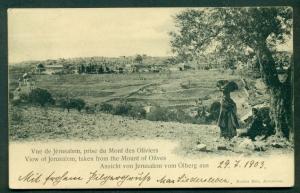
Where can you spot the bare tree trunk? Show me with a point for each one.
(280, 106)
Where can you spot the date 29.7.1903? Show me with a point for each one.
(241, 164)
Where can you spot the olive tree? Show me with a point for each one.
(254, 28)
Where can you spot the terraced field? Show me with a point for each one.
(177, 89)
(158, 88)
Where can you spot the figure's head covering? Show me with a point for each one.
(227, 86)
(231, 86)
(221, 84)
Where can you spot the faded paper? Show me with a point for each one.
(118, 98)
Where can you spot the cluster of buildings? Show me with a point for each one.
(124, 64)
(105, 66)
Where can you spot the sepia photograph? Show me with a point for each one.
(151, 97)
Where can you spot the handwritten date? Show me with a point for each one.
(241, 164)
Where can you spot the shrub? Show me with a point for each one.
(63, 103)
(90, 109)
(73, 103)
(206, 68)
(171, 115)
(183, 117)
(122, 109)
(157, 114)
(16, 102)
(24, 97)
(165, 114)
(40, 96)
(77, 103)
(177, 115)
(137, 112)
(20, 98)
(106, 107)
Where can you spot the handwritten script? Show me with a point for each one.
(55, 178)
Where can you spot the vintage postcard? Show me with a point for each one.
(151, 97)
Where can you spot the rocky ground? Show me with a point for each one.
(39, 124)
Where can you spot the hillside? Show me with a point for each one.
(186, 91)
(36, 124)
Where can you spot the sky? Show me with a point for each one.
(38, 34)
